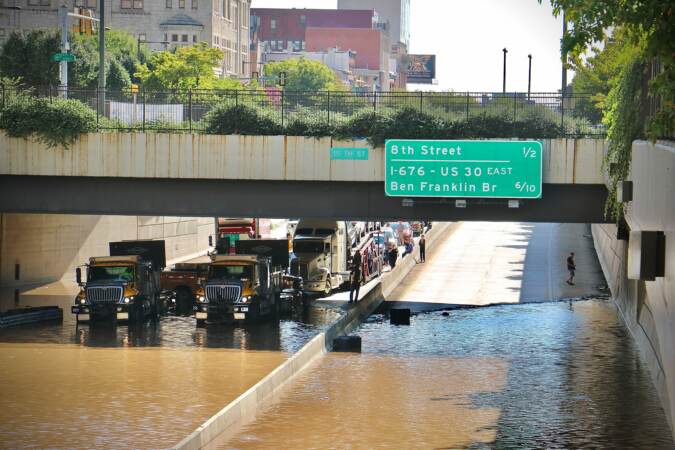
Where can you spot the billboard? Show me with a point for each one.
(421, 69)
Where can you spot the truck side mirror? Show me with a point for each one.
(78, 276)
(210, 241)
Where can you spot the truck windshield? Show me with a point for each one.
(231, 272)
(308, 246)
(111, 273)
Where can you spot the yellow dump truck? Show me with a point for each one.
(238, 288)
(124, 286)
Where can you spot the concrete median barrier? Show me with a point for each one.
(228, 421)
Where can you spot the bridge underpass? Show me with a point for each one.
(574, 203)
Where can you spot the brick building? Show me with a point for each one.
(322, 30)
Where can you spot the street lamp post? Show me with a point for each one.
(529, 76)
(504, 77)
(564, 59)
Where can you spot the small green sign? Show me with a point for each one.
(349, 153)
(463, 169)
(68, 57)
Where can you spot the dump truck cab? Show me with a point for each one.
(238, 288)
(123, 287)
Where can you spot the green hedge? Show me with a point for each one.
(53, 121)
(376, 127)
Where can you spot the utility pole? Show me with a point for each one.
(504, 77)
(101, 57)
(564, 59)
(529, 76)
(65, 47)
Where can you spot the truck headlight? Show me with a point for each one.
(127, 299)
(246, 299)
(83, 300)
(202, 299)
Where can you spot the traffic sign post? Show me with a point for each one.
(463, 169)
(63, 57)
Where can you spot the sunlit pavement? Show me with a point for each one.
(482, 263)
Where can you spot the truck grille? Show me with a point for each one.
(299, 269)
(104, 295)
(223, 294)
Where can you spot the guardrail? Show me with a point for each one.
(184, 110)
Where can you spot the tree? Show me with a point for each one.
(598, 73)
(186, 68)
(304, 75)
(648, 24)
(29, 58)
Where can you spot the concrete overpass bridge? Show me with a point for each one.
(265, 176)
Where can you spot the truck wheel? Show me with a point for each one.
(183, 301)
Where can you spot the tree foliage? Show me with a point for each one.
(647, 24)
(304, 75)
(29, 58)
(185, 68)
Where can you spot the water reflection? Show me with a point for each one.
(286, 335)
(558, 375)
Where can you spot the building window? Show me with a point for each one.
(184, 38)
(273, 24)
(194, 38)
(174, 38)
(45, 3)
(303, 19)
(132, 4)
(216, 40)
(169, 3)
(142, 37)
(195, 4)
(181, 4)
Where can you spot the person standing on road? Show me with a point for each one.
(355, 284)
(571, 267)
(423, 248)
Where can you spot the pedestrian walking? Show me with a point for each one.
(571, 268)
(355, 277)
(423, 248)
(393, 255)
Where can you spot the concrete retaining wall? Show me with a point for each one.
(190, 156)
(647, 307)
(49, 246)
(243, 410)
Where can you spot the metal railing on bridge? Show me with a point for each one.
(185, 110)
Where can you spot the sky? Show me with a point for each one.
(467, 37)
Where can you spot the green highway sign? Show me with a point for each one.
(68, 57)
(349, 153)
(463, 169)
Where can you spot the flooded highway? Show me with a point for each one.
(553, 375)
(64, 386)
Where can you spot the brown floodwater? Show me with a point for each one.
(554, 375)
(149, 386)
(68, 396)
